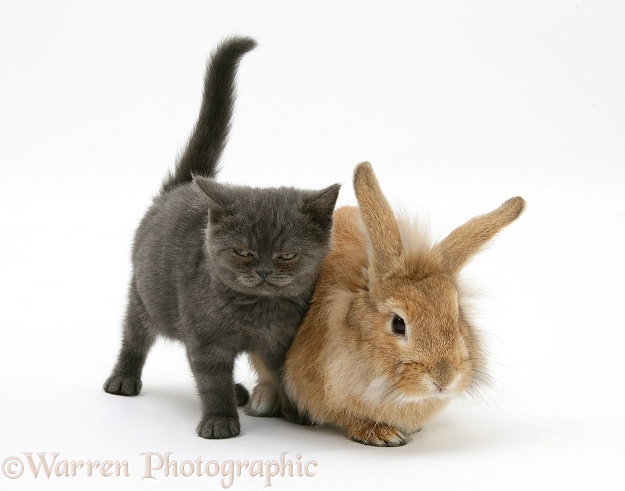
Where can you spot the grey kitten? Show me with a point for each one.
(225, 269)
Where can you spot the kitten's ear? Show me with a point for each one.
(218, 193)
(321, 205)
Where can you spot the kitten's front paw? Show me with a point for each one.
(265, 401)
(219, 427)
(378, 435)
(123, 385)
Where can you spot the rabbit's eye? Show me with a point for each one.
(399, 326)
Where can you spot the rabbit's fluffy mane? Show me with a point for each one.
(418, 258)
(415, 236)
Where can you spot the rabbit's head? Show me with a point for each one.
(410, 318)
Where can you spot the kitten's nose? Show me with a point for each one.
(263, 274)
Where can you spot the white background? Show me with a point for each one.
(458, 105)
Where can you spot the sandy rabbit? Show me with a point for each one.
(386, 342)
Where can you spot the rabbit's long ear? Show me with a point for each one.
(467, 240)
(378, 217)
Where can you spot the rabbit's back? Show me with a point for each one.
(324, 328)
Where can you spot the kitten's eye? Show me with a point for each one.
(399, 326)
(288, 257)
(243, 253)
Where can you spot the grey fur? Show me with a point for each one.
(213, 264)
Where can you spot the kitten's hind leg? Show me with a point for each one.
(125, 380)
(241, 394)
(265, 400)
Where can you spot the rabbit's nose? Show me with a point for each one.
(442, 375)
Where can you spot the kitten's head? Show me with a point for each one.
(268, 241)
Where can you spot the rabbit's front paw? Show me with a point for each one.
(377, 434)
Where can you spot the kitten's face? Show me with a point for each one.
(269, 242)
(284, 268)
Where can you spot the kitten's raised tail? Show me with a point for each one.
(202, 153)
